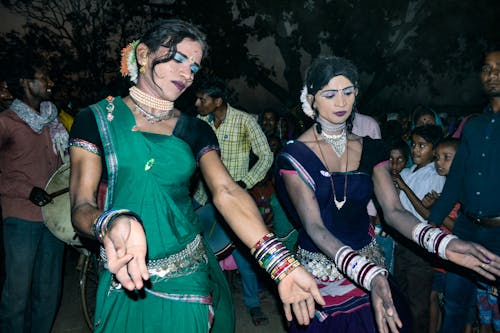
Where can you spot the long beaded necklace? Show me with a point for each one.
(338, 204)
(150, 101)
(151, 117)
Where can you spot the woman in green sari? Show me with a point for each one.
(159, 274)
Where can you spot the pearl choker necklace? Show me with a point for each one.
(140, 97)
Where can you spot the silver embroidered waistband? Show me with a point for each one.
(324, 268)
(181, 263)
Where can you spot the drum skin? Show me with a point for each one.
(57, 214)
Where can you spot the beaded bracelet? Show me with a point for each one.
(103, 223)
(274, 257)
(357, 267)
(432, 239)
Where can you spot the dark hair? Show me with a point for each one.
(422, 110)
(22, 66)
(213, 86)
(322, 70)
(430, 133)
(401, 146)
(169, 33)
(449, 142)
(271, 111)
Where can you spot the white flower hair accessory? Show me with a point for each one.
(129, 61)
(306, 107)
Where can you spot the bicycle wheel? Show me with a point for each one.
(88, 288)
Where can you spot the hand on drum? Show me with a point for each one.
(125, 245)
(39, 197)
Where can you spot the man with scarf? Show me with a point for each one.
(33, 145)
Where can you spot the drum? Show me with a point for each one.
(57, 214)
(213, 232)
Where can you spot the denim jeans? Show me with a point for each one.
(249, 279)
(32, 290)
(460, 287)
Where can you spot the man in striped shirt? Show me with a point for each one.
(239, 134)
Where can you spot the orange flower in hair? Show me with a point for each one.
(129, 62)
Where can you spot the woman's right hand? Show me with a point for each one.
(125, 245)
(386, 316)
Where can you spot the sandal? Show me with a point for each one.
(258, 317)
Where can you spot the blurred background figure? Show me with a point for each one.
(5, 96)
(33, 144)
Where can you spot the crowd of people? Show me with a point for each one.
(361, 225)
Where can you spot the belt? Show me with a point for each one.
(484, 221)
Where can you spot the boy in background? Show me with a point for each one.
(412, 270)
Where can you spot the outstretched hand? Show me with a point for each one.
(298, 292)
(386, 316)
(475, 257)
(126, 248)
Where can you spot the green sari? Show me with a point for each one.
(149, 174)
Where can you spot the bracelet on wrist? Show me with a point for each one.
(104, 221)
(357, 267)
(274, 257)
(432, 239)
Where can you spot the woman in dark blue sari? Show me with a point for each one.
(325, 179)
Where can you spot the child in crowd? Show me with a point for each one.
(443, 158)
(445, 152)
(412, 270)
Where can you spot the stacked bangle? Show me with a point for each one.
(432, 239)
(105, 220)
(274, 257)
(357, 267)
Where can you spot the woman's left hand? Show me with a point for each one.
(298, 292)
(386, 315)
(475, 257)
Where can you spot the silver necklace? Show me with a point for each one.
(153, 118)
(336, 141)
(338, 204)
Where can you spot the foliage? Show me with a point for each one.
(395, 44)
(80, 40)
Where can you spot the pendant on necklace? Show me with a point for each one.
(339, 204)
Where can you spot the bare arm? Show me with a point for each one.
(86, 171)
(234, 203)
(395, 215)
(298, 290)
(466, 254)
(307, 207)
(125, 243)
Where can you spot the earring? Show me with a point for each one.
(142, 69)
